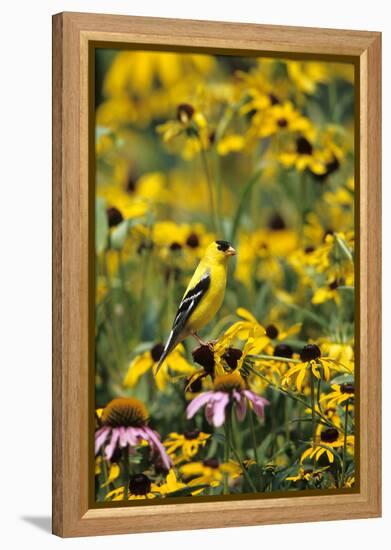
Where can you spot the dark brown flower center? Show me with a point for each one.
(271, 332)
(175, 246)
(193, 241)
(303, 146)
(331, 167)
(273, 99)
(282, 122)
(310, 352)
(193, 434)
(346, 388)
(231, 357)
(276, 223)
(283, 350)
(329, 435)
(185, 112)
(211, 462)
(116, 456)
(195, 386)
(139, 484)
(157, 351)
(333, 285)
(203, 355)
(130, 186)
(309, 249)
(114, 216)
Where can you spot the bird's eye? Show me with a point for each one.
(223, 245)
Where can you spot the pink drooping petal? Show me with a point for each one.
(153, 438)
(132, 436)
(258, 402)
(100, 438)
(220, 401)
(241, 405)
(197, 403)
(123, 440)
(109, 451)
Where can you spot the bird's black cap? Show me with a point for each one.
(223, 245)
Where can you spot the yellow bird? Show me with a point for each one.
(203, 297)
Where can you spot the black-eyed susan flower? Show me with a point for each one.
(124, 425)
(282, 118)
(303, 155)
(340, 394)
(311, 363)
(190, 124)
(308, 473)
(328, 292)
(306, 75)
(141, 364)
(140, 487)
(188, 443)
(228, 390)
(327, 439)
(209, 472)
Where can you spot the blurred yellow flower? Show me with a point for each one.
(141, 364)
(307, 74)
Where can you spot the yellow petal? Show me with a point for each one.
(114, 473)
(139, 366)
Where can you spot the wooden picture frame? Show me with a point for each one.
(73, 33)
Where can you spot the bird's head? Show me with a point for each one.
(220, 251)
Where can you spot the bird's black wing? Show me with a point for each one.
(188, 304)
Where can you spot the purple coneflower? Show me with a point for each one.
(124, 422)
(229, 390)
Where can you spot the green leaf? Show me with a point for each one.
(119, 234)
(101, 225)
(343, 379)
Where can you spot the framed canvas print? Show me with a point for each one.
(216, 232)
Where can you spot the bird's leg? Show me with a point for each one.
(195, 335)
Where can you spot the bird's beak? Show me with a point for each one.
(231, 251)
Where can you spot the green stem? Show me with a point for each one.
(125, 462)
(226, 454)
(112, 321)
(105, 473)
(312, 405)
(307, 313)
(344, 249)
(286, 420)
(275, 358)
(245, 196)
(144, 279)
(213, 213)
(318, 394)
(236, 455)
(345, 439)
(219, 188)
(294, 397)
(253, 436)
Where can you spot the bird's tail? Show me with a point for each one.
(171, 343)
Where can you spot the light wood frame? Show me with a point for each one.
(72, 33)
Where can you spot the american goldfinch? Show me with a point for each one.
(203, 296)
